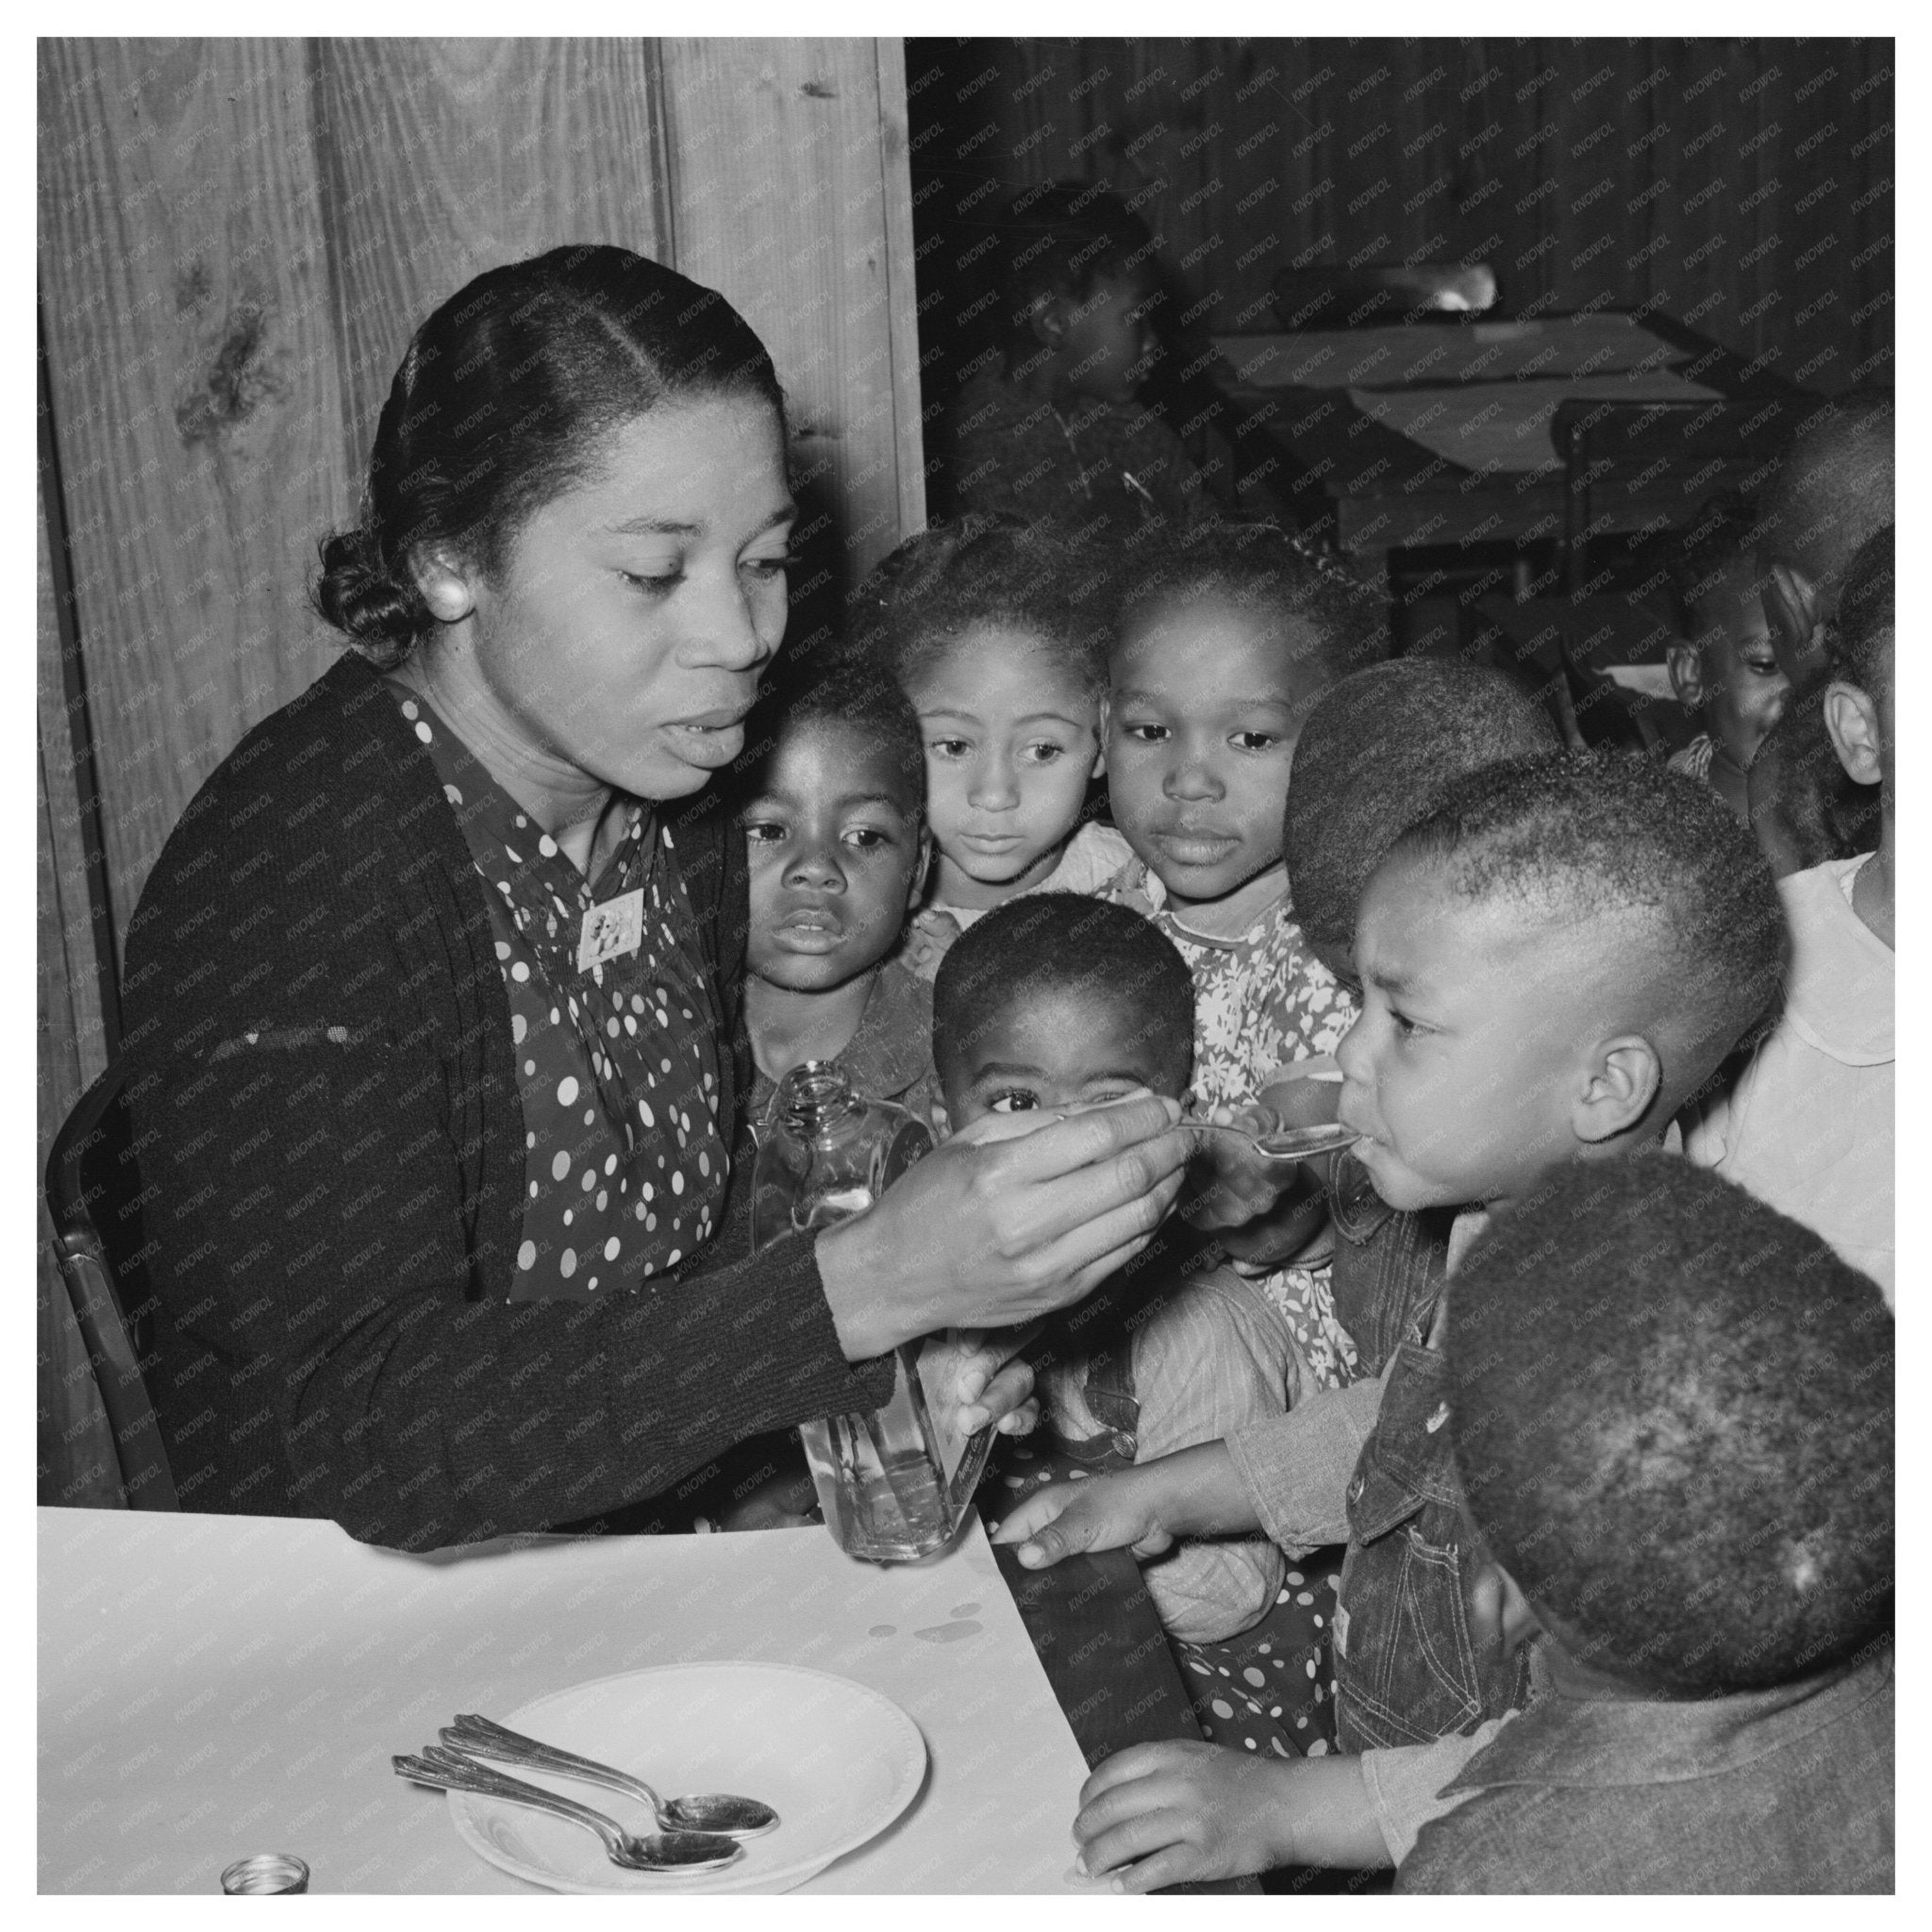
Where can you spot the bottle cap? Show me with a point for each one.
(265, 1874)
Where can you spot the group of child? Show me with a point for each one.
(1598, 1436)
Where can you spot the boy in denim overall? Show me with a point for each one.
(1552, 963)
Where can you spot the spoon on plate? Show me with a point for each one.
(704, 1811)
(683, 1852)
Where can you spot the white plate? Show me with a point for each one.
(836, 1760)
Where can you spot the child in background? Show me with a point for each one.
(1224, 640)
(1057, 433)
(832, 807)
(1808, 1126)
(1716, 1715)
(981, 623)
(1727, 673)
(1552, 962)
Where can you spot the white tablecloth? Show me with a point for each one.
(212, 1686)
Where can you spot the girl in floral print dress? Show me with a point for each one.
(1223, 642)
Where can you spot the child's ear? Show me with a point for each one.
(1851, 718)
(916, 891)
(1623, 1082)
(1048, 319)
(1685, 663)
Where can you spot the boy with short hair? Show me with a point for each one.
(1808, 1126)
(1057, 432)
(1054, 1003)
(1552, 962)
(833, 808)
(1684, 1486)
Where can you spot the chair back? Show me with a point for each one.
(1334, 296)
(1646, 467)
(95, 1198)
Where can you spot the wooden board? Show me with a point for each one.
(196, 403)
(785, 157)
(74, 1447)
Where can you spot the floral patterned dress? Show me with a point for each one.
(1262, 1002)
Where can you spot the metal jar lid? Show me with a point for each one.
(265, 1874)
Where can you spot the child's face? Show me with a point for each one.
(1741, 689)
(1107, 344)
(1202, 719)
(1060, 1054)
(836, 855)
(1473, 1043)
(1011, 741)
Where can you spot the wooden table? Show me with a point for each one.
(214, 1685)
(1378, 488)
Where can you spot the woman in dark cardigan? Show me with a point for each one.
(432, 996)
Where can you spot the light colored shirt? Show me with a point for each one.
(1807, 1126)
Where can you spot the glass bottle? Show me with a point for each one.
(896, 1481)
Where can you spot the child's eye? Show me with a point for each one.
(1044, 752)
(1254, 740)
(947, 747)
(1148, 734)
(768, 566)
(1013, 1100)
(1405, 1028)
(867, 838)
(762, 831)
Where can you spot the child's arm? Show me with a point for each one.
(1212, 1359)
(1288, 1474)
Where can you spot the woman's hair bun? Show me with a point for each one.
(359, 594)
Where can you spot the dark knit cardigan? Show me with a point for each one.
(331, 1156)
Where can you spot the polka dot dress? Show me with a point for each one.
(625, 1161)
(1271, 1689)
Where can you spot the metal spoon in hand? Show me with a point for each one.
(714, 1811)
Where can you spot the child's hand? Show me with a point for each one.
(927, 940)
(786, 1501)
(1162, 1814)
(1108, 1512)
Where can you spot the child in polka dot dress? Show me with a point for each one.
(1224, 640)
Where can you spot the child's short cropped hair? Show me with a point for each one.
(1601, 836)
(1859, 635)
(1672, 1413)
(1056, 943)
(1258, 567)
(847, 690)
(985, 569)
(1374, 757)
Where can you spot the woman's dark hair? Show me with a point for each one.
(498, 407)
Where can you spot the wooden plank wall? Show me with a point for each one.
(1744, 185)
(237, 238)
